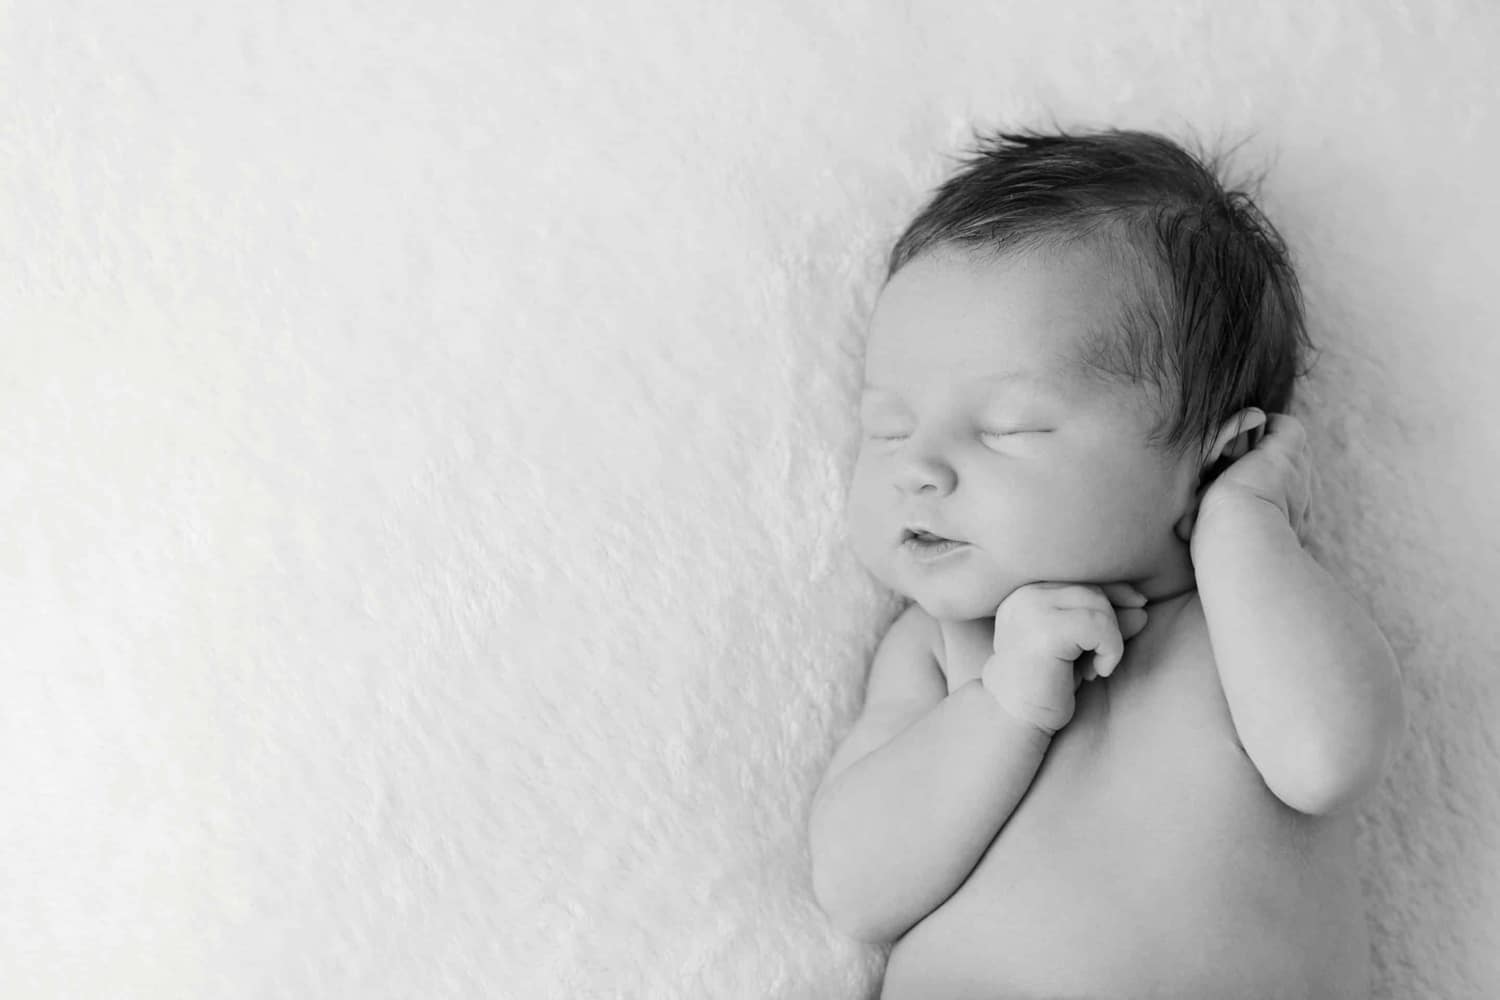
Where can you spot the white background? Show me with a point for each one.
(423, 433)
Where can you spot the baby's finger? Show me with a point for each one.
(1107, 643)
(1285, 434)
(1123, 595)
(1132, 620)
(1108, 656)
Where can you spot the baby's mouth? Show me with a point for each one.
(920, 534)
(925, 544)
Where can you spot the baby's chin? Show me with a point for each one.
(955, 603)
(957, 593)
(951, 595)
(946, 608)
(967, 596)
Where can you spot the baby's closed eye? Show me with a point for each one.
(1025, 433)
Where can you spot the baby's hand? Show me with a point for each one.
(1277, 469)
(1050, 638)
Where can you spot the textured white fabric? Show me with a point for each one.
(423, 432)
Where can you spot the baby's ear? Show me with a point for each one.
(1236, 437)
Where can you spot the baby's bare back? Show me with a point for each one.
(1147, 859)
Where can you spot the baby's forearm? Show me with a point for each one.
(898, 831)
(1312, 685)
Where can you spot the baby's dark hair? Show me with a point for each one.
(1216, 318)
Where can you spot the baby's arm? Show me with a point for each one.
(916, 792)
(1312, 685)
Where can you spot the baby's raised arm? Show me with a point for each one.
(1312, 685)
(917, 790)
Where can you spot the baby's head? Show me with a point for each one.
(1071, 334)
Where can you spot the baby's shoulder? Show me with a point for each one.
(919, 630)
(958, 648)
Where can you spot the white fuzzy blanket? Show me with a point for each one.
(424, 436)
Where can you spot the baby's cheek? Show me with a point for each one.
(874, 545)
(865, 534)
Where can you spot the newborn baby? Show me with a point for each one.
(1112, 747)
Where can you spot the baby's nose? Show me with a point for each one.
(926, 475)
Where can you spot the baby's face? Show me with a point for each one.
(977, 425)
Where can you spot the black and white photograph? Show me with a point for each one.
(870, 500)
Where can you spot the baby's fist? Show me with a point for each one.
(1050, 638)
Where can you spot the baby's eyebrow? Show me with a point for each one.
(1002, 378)
(990, 381)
